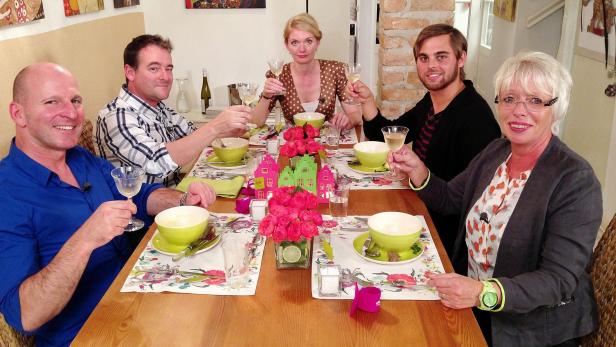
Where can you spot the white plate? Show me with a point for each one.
(210, 246)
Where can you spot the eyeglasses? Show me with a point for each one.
(532, 103)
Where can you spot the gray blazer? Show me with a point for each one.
(546, 247)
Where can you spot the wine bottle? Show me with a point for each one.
(205, 93)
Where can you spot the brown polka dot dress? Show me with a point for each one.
(333, 82)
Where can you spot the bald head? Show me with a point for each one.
(32, 73)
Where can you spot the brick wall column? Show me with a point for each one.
(399, 24)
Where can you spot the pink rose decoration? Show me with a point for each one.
(401, 280)
(215, 277)
(311, 132)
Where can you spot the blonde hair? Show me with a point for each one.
(541, 71)
(303, 22)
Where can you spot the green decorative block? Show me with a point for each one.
(286, 178)
(306, 174)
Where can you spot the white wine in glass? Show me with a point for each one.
(353, 75)
(248, 92)
(128, 180)
(276, 66)
(394, 138)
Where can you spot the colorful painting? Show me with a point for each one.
(505, 9)
(125, 3)
(75, 7)
(20, 11)
(199, 4)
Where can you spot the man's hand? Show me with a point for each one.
(232, 121)
(107, 222)
(358, 91)
(406, 161)
(200, 194)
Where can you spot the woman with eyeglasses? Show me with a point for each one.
(307, 84)
(531, 209)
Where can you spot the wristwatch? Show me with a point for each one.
(488, 298)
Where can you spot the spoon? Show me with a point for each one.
(222, 143)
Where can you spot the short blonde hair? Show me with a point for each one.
(303, 22)
(544, 73)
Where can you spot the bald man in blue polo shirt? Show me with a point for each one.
(61, 216)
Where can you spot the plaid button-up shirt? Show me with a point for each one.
(130, 131)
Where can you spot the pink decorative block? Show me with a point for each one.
(325, 183)
(266, 177)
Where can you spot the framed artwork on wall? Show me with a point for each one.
(200, 4)
(124, 3)
(75, 7)
(594, 40)
(20, 11)
(505, 9)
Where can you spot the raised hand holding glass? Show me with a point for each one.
(394, 138)
(128, 180)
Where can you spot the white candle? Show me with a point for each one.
(258, 209)
(329, 279)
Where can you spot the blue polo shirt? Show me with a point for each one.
(38, 213)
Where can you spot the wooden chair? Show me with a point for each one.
(86, 139)
(603, 274)
(9, 337)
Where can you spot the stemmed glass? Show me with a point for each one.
(248, 92)
(353, 75)
(394, 138)
(275, 66)
(128, 179)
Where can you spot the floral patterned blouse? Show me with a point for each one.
(488, 219)
(333, 82)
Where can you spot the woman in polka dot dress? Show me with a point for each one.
(307, 84)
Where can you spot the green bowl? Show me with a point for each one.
(315, 119)
(394, 231)
(234, 150)
(179, 226)
(371, 154)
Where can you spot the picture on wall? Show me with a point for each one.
(20, 11)
(505, 9)
(124, 3)
(198, 4)
(75, 7)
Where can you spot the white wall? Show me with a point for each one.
(234, 45)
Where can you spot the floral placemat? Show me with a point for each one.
(339, 160)
(202, 273)
(396, 281)
(201, 168)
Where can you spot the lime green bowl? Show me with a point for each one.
(233, 151)
(371, 154)
(315, 119)
(394, 231)
(179, 226)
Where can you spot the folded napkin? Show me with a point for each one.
(226, 188)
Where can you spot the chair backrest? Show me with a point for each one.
(11, 338)
(603, 273)
(86, 139)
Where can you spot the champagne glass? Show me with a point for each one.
(275, 66)
(353, 75)
(128, 179)
(248, 92)
(394, 138)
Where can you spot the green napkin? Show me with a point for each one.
(226, 188)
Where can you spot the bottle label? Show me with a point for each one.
(203, 108)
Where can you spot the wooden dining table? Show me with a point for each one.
(283, 312)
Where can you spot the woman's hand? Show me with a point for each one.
(341, 121)
(407, 162)
(273, 87)
(456, 291)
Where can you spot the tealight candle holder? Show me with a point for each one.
(272, 147)
(329, 279)
(258, 209)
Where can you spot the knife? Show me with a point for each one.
(197, 245)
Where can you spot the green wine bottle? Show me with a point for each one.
(205, 93)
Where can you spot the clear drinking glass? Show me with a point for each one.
(339, 201)
(236, 257)
(248, 92)
(275, 66)
(128, 179)
(353, 72)
(394, 138)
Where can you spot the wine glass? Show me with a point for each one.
(248, 92)
(394, 138)
(128, 179)
(275, 66)
(353, 75)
